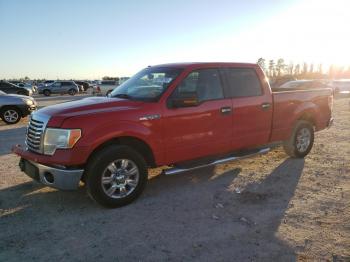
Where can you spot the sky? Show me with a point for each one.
(89, 39)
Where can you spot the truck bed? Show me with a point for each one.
(288, 105)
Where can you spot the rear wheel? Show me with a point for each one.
(47, 92)
(301, 141)
(10, 115)
(116, 176)
(72, 92)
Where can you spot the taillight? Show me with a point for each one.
(98, 89)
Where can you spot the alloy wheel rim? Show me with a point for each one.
(120, 178)
(11, 116)
(303, 139)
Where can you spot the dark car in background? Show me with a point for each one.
(10, 88)
(59, 87)
(14, 107)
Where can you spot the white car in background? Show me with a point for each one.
(341, 87)
(105, 87)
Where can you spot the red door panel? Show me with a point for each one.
(195, 132)
(251, 122)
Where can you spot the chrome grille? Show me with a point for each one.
(35, 133)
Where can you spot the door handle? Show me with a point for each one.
(265, 106)
(226, 110)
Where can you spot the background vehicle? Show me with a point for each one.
(302, 85)
(105, 87)
(48, 82)
(180, 115)
(9, 88)
(14, 107)
(341, 86)
(85, 85)
(28, 86)
(59, 87)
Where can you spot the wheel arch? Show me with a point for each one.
(3, 108)
(136, 143)
(308, 116)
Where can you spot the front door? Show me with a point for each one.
(201, 130)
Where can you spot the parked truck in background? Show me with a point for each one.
(105, 87)
(182, 116)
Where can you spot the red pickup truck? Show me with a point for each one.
(182, 116)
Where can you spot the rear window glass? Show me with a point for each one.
(243, 82)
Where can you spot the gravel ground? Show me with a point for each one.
(267, 208)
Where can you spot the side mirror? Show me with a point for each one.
(184, 102)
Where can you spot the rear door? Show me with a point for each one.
(55, 87)
(251, 108)
(67, 86)
(201, 130)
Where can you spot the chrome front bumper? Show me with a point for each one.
(64, 179)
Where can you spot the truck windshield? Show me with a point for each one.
(147, 85)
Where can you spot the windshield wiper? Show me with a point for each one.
(126, 96)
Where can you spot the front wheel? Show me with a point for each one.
(301, 141)
(10, 115)
(116, 176)
(47, 92)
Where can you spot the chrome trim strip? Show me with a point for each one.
(149, 117)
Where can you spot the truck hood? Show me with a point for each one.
(92, 105)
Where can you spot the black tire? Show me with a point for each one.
(47, 92)
(97, 168)
(72, 92)
(295, 148)
(10, 115)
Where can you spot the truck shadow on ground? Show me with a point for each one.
(192, 216)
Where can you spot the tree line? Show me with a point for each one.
(280, 69)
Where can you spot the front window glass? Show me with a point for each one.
(147, 85)
(205, 84)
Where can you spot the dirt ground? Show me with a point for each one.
(267, 208)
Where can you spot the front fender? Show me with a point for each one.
(97, 132)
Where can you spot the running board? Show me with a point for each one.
(176, 170)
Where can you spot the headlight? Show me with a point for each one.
(60, 138)
(29, 102)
